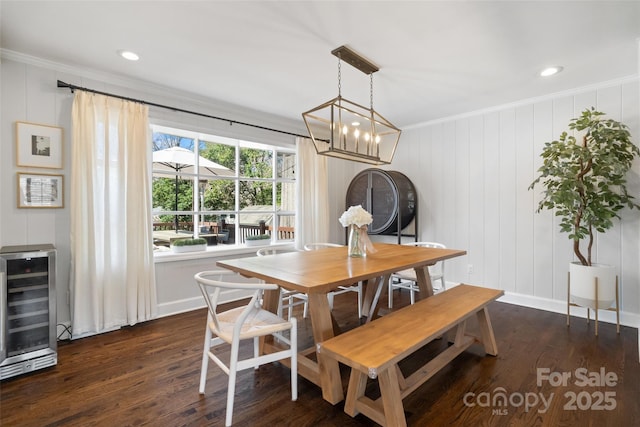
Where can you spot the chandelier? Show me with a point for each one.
(347, 130)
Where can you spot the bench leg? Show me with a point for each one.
(459, 339)
(355, 390)
(488, 339)
(391, 398)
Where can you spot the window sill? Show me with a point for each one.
(211, 252)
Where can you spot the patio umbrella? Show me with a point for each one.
(178, 159)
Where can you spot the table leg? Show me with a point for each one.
(269, 302)
(424, 282)
(381, 283)
(369, 291)
(372, 291)
(322, 325)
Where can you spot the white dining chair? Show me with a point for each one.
(288, 299)
(341, 289)
(406, 279)
(246, 322)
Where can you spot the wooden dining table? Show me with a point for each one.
(316, 273)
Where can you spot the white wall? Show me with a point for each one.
(472, 175)
(29, 93)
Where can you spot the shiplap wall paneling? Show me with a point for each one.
(609, 250)
(630, 246)
(436, 186)
(508, 192)
(491, 200)
(416, 148)
(525, 207)
(419, 152)
(462, 208)
(543, 249)
(447, 159)
(476, 242)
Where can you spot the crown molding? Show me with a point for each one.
(69, 69)
(528, 101)
(215, 106)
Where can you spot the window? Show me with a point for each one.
(220, 189)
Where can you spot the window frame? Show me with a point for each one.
(201, 138)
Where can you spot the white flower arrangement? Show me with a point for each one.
(356, 215)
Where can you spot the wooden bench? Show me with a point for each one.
(374, 349)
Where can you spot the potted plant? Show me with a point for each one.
(258, 240)
(188, 245)
(584, 181)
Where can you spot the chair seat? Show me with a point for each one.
(410, 274)
(407, 279)
(259, 322)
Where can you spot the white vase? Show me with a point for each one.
(582, 281)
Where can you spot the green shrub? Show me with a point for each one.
(258, 237)
(189, 242)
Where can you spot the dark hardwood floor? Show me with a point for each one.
(148, 374)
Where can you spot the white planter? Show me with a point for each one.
(582, 281)
(188, 248)
(260, 242)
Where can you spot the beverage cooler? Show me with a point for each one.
(28, 302)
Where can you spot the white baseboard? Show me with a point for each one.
(180, 306)
(556, 306)
(195, 303)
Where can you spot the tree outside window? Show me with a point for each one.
(251, 183)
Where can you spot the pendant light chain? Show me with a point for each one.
(339, 77)
(371, 90)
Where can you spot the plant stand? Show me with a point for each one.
(595, 284)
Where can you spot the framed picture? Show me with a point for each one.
(38, 146)
(40, 191)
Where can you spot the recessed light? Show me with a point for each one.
(550, 71)
(127, 54)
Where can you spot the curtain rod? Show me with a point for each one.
(62, 84)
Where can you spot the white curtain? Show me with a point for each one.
(112, 270)
(312, 215)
